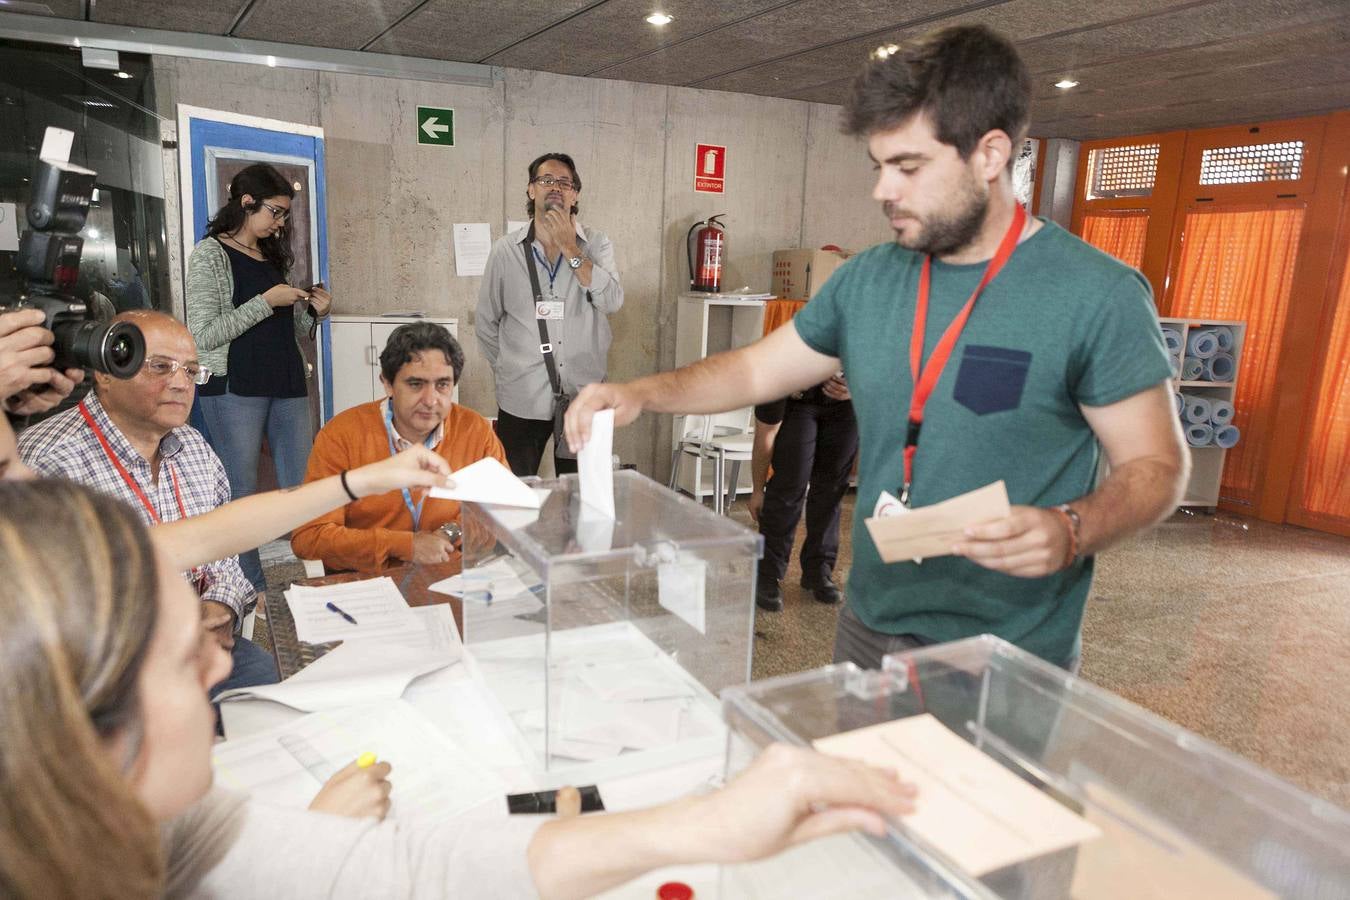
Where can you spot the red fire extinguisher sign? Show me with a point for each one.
(710, 168)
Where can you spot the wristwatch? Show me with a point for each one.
(575, 262)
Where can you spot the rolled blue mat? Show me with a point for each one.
(1172, 338)
(1181, 402)
(1197, 410)
(1202, 343)
(1224, 335)
(1226, 437)
(1220, 413)
(1175, 360)
(1220, 367)
(1199, 434)
(1192, 369)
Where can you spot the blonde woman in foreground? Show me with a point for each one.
(105, 746)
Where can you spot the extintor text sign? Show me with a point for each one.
(710, 169)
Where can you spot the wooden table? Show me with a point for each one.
(293, 654)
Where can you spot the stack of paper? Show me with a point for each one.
(433, 779)
(364, 670)
(375, 603)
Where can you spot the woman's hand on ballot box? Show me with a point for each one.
(787, 796)
(415, 467)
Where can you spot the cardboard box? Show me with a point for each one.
(799, 274)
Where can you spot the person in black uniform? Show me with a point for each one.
(811, 439)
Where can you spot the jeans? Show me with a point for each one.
(252, 666)
(814, 449)
(236, 427)
(524, 441)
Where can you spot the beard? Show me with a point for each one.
(950, 229)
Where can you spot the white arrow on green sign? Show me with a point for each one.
(435, 126)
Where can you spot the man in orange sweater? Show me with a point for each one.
(420, 366)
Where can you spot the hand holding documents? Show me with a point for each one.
(970, 808)
(932, 530)
(488, 481)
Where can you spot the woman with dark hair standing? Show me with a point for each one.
(247, 321)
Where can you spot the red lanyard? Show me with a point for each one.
(926, 376)
(126, 476)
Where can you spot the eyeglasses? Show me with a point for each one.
(550, 181)
(163, 367)
(280, 213)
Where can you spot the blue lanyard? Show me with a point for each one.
(414, 511)
(551, 270)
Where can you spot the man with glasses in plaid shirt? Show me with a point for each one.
(543, 314)
(130, 438)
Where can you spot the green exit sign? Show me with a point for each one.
(435, 126)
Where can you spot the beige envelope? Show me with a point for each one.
(931, 530)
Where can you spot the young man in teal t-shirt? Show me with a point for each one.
(1060, 354)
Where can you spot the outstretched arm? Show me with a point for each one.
(772, 367)
(251, 521)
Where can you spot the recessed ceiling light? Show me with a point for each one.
(659, 18)
(121, 74)
(886, 50)
(1065, 84)
(94, 233)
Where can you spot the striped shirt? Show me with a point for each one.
(64, 446)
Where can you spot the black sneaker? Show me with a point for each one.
(768, 595)
(825, 591)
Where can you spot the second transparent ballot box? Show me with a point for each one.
(605, 641)
(1032, 784)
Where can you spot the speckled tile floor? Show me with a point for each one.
(1236, 629)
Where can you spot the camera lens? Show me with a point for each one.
(117, 349)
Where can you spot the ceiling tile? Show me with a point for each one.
(472, 30)
(614, 32)
(201, 18)
(346, 24)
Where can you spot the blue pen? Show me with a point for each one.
(334, 608)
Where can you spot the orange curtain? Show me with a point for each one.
(1239, 264)
(1119, 234)
(1326, 466)
(776, 312)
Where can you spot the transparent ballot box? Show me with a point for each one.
(1032, 784)
(606, 641)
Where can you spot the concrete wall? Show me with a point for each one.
(792, 180)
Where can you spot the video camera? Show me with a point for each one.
(49, 263)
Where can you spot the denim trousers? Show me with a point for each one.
(251, 666)
(236, 427)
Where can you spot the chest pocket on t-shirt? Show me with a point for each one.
(991, 379)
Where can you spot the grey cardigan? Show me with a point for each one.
(212, 316)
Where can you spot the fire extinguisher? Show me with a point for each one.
(707, 249)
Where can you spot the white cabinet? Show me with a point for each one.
(349, 358)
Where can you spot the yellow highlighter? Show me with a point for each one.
(366, 760)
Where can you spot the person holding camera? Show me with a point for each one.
(542, 320)
(419, 367)
(28, 382)
(247, 320)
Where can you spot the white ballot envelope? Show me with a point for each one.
(488, 481)
(932, 530)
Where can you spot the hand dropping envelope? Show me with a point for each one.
(932, 530)
(488, 481)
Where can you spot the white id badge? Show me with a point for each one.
(552, 310)
(889, 505)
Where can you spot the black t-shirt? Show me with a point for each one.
(264, 361)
